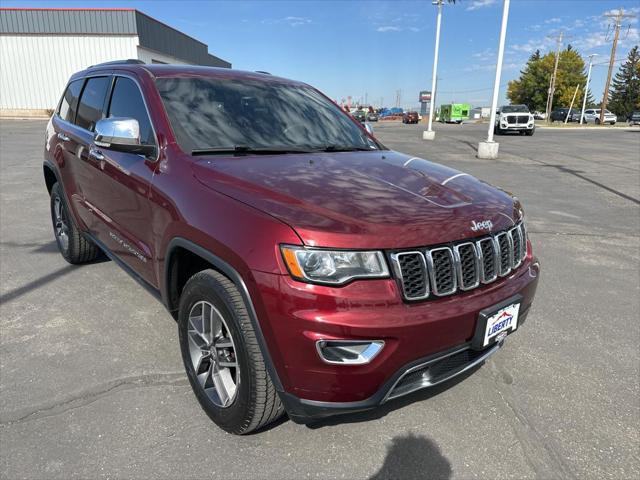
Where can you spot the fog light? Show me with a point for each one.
(348, 352)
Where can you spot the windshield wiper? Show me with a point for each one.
(245, 149)
(343, 148)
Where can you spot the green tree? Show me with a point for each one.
(625, 91)
(533, 85)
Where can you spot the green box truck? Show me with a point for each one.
(454, 112)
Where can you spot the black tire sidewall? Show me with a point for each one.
(56, 192)
(235, 417)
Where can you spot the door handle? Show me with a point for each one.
(97, 154)
(61, 136)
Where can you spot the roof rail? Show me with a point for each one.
(133, 61)
(263, 72)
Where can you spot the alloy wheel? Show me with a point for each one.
(213, 354)
(61, 225)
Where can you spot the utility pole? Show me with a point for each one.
(571, 106)
(618, 18)
(489, 149)
(429, 134)
(552, 84)
(586, 87)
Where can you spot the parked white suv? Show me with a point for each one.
(514, 118)
(592, 115)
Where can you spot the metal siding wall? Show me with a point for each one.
(35, 68)
(120, 22)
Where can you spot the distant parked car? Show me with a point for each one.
(539, 115)
(410, 117)
(360, 116)
(634, 118)
(372, 117)
(560, 115)
(592, 115)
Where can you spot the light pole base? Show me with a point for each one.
(488, 150)
(428, 135)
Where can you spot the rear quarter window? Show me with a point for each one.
(69, 102)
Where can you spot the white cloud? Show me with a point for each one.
(553, 20)
(476, 4)
(291, 21)
(388, 28)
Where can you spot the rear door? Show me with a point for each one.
(119, 190)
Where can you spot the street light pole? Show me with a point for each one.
(586, 87)
(489, 149)
(429, 134)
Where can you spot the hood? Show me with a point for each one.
(377, 199)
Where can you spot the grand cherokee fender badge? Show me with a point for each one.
(483, 225)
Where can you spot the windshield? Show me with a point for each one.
(212, 113)
(514, 109)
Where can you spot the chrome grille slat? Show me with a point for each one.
(411, 268)
(442, 270)
(465, 265)
(516, 240)
(488, 259)
(504, 246)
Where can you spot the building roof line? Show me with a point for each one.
(72, 9)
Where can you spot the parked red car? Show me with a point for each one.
(410, 117)
(311, 270)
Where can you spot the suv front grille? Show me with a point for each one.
(462, 266)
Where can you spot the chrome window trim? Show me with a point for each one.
(458, 265)
(113, 76)
(432, 276)
(395, 262)
(496, 266)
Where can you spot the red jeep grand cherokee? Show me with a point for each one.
(310, 269)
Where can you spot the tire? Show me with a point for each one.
(529, 133)
(597, 121)
(73, 246)
(253, 402)
(497, 130)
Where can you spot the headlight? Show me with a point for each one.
(333, 267)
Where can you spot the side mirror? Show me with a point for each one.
(368, 128)
(122, 135)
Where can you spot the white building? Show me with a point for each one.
(41, 48)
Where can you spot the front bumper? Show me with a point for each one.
(425, 335)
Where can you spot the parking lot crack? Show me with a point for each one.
(540, 454)
(94, 394)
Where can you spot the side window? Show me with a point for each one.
(69, 102)
(126, 101)
(92, 101)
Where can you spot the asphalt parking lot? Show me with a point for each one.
(92, 384)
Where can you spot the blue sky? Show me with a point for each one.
(374, 48)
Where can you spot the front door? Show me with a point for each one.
(118, 196)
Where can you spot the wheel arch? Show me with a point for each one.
(50, 175)
(181, 248)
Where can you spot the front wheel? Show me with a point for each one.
(222, 357)
(597, 122)
(529, 133)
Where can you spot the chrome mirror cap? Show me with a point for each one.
(116, 131)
